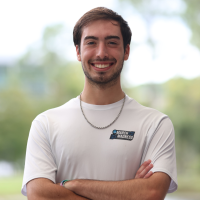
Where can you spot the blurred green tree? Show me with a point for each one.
(192, 18)
(40, 80)
(183, 106)
(186, 10)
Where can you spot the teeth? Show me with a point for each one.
(101, 65)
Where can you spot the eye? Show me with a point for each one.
(90, 43)
(112, 43)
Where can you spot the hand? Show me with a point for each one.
(143, 171)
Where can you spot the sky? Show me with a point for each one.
(23, 21)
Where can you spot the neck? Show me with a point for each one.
(102, 95)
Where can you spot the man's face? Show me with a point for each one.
(102, 52)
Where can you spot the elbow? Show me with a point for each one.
(32, 196)
(155, 195)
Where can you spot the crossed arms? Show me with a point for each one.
(145, 186)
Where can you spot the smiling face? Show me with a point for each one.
(101, 52)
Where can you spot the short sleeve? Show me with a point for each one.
(160, 148)
(39, 161)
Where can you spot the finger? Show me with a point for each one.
(146, 170)
(148, 174)
(143, 166)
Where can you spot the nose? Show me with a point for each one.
(101, 51)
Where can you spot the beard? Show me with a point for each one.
(102, 81)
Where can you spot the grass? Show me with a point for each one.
(13, 197)
(189, 183)
(11, 185)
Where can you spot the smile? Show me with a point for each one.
(102, 66)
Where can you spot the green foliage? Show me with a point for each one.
(20, 105)
(15, 117)
(187, 10)
(192, 18)
(35, 86)
(183, 107)
(153, 8)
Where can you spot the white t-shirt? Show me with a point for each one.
(62, 145)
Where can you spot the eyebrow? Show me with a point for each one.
(112, 37)
(106, 38)
(90, 37)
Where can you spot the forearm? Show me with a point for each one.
(143, 189)
(111, 190)
(44, 189)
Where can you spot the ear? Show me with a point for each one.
(127, 52)
(78, 53)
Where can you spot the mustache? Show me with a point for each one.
(102, 60)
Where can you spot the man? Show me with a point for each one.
(98, 140)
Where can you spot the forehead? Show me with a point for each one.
(101, 28)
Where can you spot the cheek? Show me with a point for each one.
(116, 53)
(119, 56)
(87, 55)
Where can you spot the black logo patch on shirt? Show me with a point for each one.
(122, 135)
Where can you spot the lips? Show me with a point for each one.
(101, 66)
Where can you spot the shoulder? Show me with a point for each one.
(55, 114)
(147, 119)
(143, 112)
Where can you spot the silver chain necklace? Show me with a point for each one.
(110, 123)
